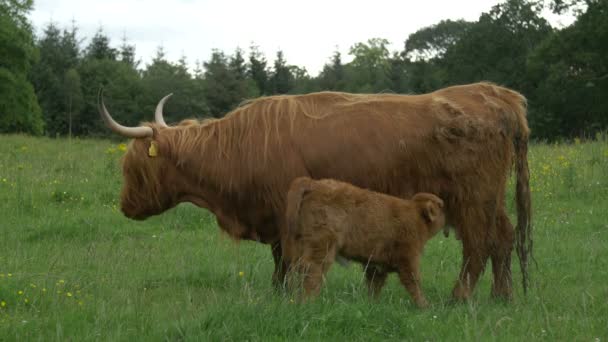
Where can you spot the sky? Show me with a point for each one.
(308, 32)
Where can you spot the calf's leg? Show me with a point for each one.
(280, 266)
(409, 274)
(375, 279)
(317, 258)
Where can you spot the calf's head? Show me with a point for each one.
(430, 207)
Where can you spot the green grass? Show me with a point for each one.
(88, 273)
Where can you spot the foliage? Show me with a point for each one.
(257, 69)
(496, 47)
(161, 78)
(562, 72)
(223, 91)
(569, 75)
(59, 53)
(368, 72)
(281, 79)
(99, 48)
(433, 41)
(19, 109)
(332, 76)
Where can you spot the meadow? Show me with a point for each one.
(72, 267)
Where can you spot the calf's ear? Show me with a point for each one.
(430, 211)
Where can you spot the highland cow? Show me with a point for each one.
(327, 218)
(460, 143)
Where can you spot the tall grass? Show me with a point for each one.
(73, 268)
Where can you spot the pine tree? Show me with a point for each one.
(332, 75)
(73, 98)
(127, 53)
(59, 53)
(99, 47)
(222, 92)
(237, 65)
(281, 79)
(257, 69)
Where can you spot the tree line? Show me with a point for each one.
(49, 84)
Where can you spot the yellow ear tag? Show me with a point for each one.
(153, 150)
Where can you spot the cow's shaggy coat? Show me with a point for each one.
(459, 142)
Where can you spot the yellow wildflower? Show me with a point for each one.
(20, 292)
(26, 300)
(9, 275)
(122, 147)
(69, 294)
(2, 303)
(43, 289)
(61, 281)
(241, 274)
(33, 286)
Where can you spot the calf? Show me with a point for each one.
(327, 218)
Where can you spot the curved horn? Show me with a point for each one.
(130, 132)
(158, 114)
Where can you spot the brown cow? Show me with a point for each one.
(459, 142)
(327, 218)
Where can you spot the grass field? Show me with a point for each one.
(73, 268)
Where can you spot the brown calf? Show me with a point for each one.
(328, 218)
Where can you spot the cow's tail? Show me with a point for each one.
(524, 217)
(299, 187)
(523, 242)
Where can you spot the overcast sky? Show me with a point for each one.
(307, 31)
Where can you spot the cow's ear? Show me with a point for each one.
(430, 211)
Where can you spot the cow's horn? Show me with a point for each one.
(131, 132)
(158, 114)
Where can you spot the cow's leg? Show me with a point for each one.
(502, 246)
(375, 279)
(409, 274)
(474, 229)
(280, 266)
